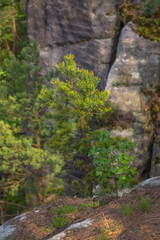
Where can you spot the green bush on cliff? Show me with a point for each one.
(151, 7)
(112, 159)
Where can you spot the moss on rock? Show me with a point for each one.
(147, 26)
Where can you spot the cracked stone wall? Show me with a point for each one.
(87, 28)
(127, 63)
(133, 82)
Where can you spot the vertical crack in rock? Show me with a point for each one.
(115, 49)
(133, 81)
(92, 31)
(88, 29)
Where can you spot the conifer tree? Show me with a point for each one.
(26, 116)
(13, 32)
(75, 100)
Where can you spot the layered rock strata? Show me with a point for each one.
(89, 29)
(133, 81)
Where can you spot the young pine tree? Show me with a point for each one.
(74, 101)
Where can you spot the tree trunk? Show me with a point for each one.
(84, 136)
(40, 180)
(116, 186)
(14, 35)
(40, 172)
(89, 182)
(2, 214)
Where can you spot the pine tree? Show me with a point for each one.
(75, 100)
(13, 32)
(26, 115)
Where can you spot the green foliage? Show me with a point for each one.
(141, 204)
(144, 204)
(74, 100)
(91, 204)
(146, 16)
(151, 7)
(111, 158)
(60, 221)
(65, 209)
(13, 32)
(26, 159)
(127, 210)
(77, 188)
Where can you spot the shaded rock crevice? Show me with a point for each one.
(133, 80)
(93, 31)
(88, 29)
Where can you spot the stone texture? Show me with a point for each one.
(87, 28)
(155, 163)
(132, 81)
(90, 30)
(149, 183)
(85, 224)
(6, 230)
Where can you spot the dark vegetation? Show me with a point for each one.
(145, 16)
(46, 133)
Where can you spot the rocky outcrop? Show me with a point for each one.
(6, 230)
(87, 28)
(155, 161)
(149, 183)
(90, 29)
(133, 80)
(30, 225)
(85, 224)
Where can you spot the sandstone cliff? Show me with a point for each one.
(128, 64)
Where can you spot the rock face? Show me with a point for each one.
(87, 28)
(133, 80)
(90, 29)
(85, 224)
(149, 183)
(6, 230)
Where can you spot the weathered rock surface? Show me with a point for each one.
(149, 183)
(90, 30)
(155, 161)
(132, 80)
(87, 28)
(6, 230)
(26, 223)
(85, 224)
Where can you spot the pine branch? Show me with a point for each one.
(13, 204)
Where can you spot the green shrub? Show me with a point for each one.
(127, 210)
(91, 204)
(65, 209)
(110, 155)
(60, 221)
(144, 204)
(151, 7)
